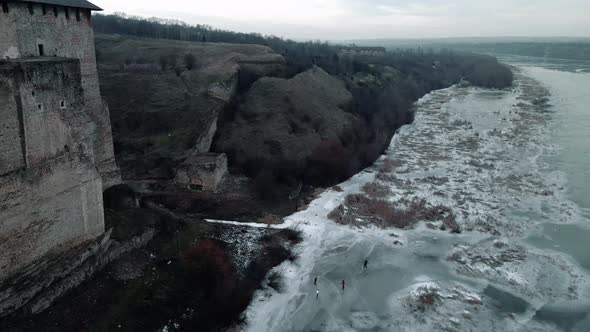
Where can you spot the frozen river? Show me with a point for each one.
(513, 167)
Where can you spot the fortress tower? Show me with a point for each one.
(56, 150)
(52, 29)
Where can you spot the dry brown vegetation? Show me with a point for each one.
(270, 219)
(389, 165)
(376, 190)
(361, 210)
(337, 189)
(393, 180)
(461, 123)
(437, 181)
(384, 176)
(427, 298)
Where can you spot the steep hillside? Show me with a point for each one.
(161, 110)
(282, 120)
(313, 114)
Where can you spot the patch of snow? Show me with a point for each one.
(245, 224)
(476, 152)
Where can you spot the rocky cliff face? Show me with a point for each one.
(161, 111)
(172, 100)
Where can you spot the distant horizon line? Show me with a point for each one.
(348, 40)
(467, 37)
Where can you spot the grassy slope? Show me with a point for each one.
(156, 114)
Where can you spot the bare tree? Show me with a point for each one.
(163, 62)
(190, 61)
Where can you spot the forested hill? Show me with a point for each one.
(300, 56)
(171, 29)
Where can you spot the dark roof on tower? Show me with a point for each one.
(68, 3)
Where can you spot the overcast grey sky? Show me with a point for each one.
(353, 19)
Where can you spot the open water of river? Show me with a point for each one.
(514, 167)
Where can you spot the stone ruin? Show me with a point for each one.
(202, 172)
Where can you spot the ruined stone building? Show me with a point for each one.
(56, 151)
(204, 171)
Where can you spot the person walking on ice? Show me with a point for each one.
(365, 264)
(317, 293)
(343, 284)
(315, 281)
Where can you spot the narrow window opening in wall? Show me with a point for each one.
(66, 9)
(33, 93)
(41, 50)
(44, 8)
(62, 104)
(78, 14)
(39, 107)
(5, 7)
(31, 11)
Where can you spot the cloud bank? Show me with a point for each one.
(355, 19)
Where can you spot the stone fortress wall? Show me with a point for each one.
(56, 153)
(50, 189)
(56, 31)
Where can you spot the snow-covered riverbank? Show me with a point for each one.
(479, 153)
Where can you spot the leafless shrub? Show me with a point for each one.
(376, 190)
(385, 214)
(477, 163)
(190, 61)
(427, 297)
(450, 223)
(385, 177)
(163, 61)
(337, 189)
(275, 281)
(330, 162)
(435, 180)
(340, 216)
(360, 204)
(499, 244)
(471, 143)
(389, 165)
(460, 123)
(455, 257)
(424, 298)
(270, 219)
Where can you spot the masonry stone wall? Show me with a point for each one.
(8, 41)
(53, 110)
(60, 37)
(206, 170)
(48, 209)
(50, 198)
(11, 152)
(56, 153)
(69, 36)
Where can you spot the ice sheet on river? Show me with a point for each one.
(476, 152)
